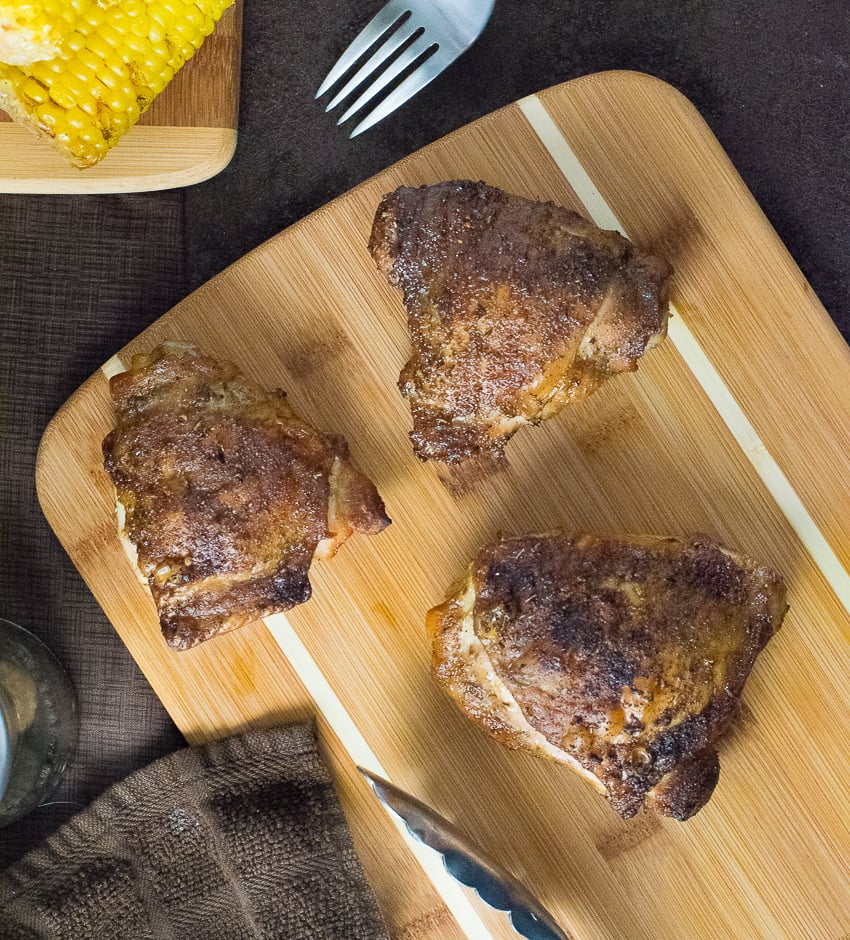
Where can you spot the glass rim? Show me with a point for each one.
(30, 635)
(7, 745)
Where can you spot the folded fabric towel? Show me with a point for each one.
(240, 839)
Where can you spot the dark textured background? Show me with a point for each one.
(80, 276)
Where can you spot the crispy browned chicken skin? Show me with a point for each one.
(623, 658)
(515, 308)
(225, 493)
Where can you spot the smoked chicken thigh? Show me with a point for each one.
(623, 658)
(514, 308)
(224, 494)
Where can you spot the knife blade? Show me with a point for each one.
(467, 863)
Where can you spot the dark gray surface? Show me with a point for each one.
(79, 276)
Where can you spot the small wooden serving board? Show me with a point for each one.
(737, 426)
(186, 136)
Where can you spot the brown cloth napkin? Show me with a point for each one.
(242, 838)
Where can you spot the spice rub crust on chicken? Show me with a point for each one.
(224, 493)
(624, 659)
(514, 307)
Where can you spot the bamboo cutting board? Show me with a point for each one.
(187, 135)
(737, 426)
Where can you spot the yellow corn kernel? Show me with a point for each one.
(98, 46)
(75, 120)
(75, 42)
(120, 99)
(194, 18)
(48, 114)
(91, 102)
(44, 71)
(85, 58)
(108, 32)
(112, 77)
(118, 20)
(140, 26)
(61, 96)
(71, 85)
(138, 46)
(156, 31)
(93, 18)
(34, 91)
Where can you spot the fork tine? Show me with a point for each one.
(374, 29)
(407, 58)
(426, 73)
(384, 51)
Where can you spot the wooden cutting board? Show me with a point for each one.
(187, 135)
(737, 426)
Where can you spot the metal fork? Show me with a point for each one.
(442, 29)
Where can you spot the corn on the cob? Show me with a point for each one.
(113, 58)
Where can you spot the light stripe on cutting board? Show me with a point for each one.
(700, 365)
(334, 712)
(341, 723)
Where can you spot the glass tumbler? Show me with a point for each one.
(38, 722)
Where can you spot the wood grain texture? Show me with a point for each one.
(187, 135)
(768, 857)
